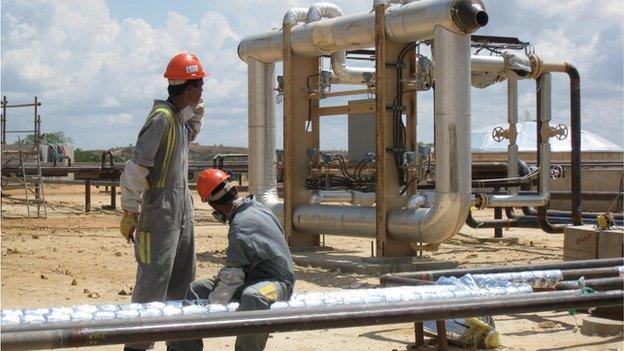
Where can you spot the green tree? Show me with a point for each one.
(81, 155)
(50, 138)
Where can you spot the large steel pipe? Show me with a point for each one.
(452, 148)
(407, 23)
(253, 322)
(261, 129)
(453, 175)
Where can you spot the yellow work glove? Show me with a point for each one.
(128, 225)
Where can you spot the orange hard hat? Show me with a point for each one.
(209, 180)
(184, 66)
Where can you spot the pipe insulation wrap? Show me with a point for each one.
(467, 286)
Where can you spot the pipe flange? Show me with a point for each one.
(481, 201)
(536, 65)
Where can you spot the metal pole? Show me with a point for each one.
(77, 334)
(591, 273)
(113, 197)
(575, 129)
(4, 103)
(498, 215)
(88, 195)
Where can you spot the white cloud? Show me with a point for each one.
(84, 63)
(91, 69)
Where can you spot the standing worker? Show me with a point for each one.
(154, 190)
(258, 269)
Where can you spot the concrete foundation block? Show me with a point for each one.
(601, 326)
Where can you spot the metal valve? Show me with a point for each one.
(325, 82)
(424, 73)
(499, 133)
(560, 131)
(280, 90)
(410, 158)
(327, 158)
(557, 172)
(369, 79)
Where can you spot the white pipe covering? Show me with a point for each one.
(453, 174)
(295, 15)
(341, 72)
(444, 288)
(261, 128)
(411, 22)
(452, 148)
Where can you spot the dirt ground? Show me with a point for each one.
(41, 257)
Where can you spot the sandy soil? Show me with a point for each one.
(41, 257)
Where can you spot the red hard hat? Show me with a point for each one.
(184, 66)
(209, 180)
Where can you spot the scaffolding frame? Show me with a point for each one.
(31, 183)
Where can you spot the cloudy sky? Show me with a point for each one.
(97, 65)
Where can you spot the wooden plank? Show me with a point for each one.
(363, 108)
(301, 131)
(288, 130)
(342, 93)
(380, 132)
(387, 186)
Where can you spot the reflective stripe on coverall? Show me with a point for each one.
(164, 241)
(256, 244)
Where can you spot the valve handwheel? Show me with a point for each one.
(562, 131)
(557, 172)
(498, 134)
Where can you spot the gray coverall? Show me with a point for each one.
(164, 241)
(256, 244)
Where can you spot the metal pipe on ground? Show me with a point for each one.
(530, 220)
(253, 322)
(589, 274)
(586, 195)
(567, 265)
(528, 211)
(600, 284)
(491, 223)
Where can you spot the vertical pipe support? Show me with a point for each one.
(543, 150)
(288, 131)
(380, 129)
(512, 118)
(88, 195)
(4, 103)
(575, 129)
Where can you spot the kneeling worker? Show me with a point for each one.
(258, 267)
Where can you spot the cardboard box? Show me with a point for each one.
(586, 242)
(611, 244)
